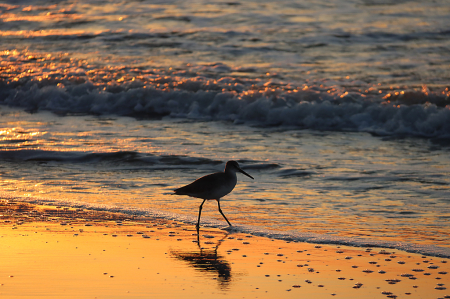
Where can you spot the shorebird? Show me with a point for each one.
(213, 186)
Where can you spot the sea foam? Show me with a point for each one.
(303, 109)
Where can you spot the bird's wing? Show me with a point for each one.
(200, 186)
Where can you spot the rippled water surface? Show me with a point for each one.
(339, 109)
(387, 42)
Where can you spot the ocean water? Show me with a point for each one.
(340, 110)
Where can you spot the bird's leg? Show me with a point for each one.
(220, 210)
(199, 213)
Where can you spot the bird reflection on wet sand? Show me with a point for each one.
(207, 260)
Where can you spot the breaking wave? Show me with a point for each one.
(303, 109)
(212, 92)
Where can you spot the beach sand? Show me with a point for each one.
(64, 252)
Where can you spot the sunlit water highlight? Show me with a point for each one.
(340, 110)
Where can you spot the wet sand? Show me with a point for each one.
(63, 252)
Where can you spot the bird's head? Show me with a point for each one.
(234, 166)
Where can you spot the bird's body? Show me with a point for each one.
(213, 186)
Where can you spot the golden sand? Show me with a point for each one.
(69, 253)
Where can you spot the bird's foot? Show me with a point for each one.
(230, 228)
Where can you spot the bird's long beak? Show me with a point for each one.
(246, 173)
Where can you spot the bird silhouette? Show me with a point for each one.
(213, 186)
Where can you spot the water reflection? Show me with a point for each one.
(207, 260)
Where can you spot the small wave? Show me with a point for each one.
(344, 178)
(261, 166)
(293, 236)
(125, 157)
(70, 156)
(287, 173)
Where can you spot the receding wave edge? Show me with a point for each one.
(293, 236)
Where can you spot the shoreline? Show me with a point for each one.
(101, 211)
(66, 252)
